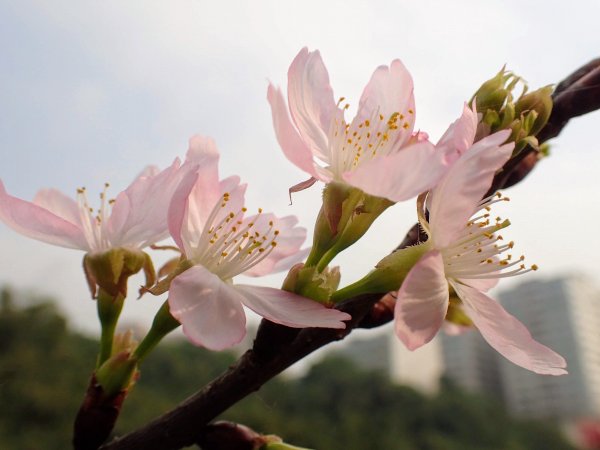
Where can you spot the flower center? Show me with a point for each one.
(94, 221)
(354, 143)
(478, 252)
(231, 244)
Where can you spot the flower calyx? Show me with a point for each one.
(110, 270)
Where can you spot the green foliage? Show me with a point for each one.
(44, 370)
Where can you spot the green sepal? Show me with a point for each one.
(388, 275)
(111, 269)
(359, 215)
(117, 373)
(318, 286)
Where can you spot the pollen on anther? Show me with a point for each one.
(534, 267)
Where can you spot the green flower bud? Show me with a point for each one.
(538, 102)
(117, 374)
(525, 116)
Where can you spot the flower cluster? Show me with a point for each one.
(367, 163)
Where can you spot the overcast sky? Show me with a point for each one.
(94, 91)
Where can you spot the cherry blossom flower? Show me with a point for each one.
(376, 152)
(135, 219)
(208, 222)
(466, 253)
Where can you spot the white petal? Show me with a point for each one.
(422, 302)
(290, 309)
(507, 335)
(38, 223)
(459, 136)
(402, 175)
(389, 90)
(311, 99)
(139, 213)
(455, 198)
(59, 204)
(294, 148)
(210, 310)
(289, 241)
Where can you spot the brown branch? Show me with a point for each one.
(277, 347)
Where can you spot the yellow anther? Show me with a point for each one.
(410, 111)
(534, 267)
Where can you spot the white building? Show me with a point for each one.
(563, 314)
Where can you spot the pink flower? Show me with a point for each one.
(208, 221)
(375, 152)
(136, 218)
(466, 253)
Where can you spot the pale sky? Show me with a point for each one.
(94, 91)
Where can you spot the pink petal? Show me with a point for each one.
(401, 175)
(289, 140)
(58, 204)
(178, 210)
(210, 310)
(205, 198)
(481, 284)
(459, 136)
(507, 335)
(38, 223)
(208, 190)
(290, 309)
(311, 99)
(289, 241)
(139, 213)
(389, 90)
(422, 302)
(455, 198)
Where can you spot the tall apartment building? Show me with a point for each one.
(564, 314)
(471, 363)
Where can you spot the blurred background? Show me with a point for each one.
(92, 92)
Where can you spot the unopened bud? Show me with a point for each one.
(494, 93)
(537, 106)
(117, 373)
(498, 110)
